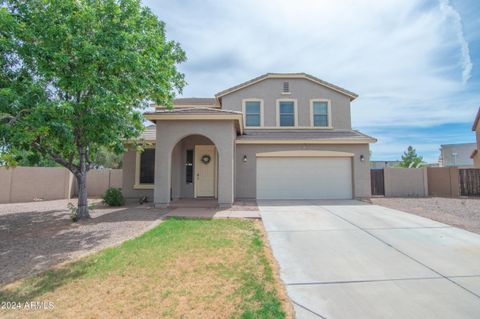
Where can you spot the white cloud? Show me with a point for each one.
(453, 14)
(407, 59)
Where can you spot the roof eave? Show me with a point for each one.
(305, 141)
(154, 117)
(473, 154)
(309, 77)
(477, 120)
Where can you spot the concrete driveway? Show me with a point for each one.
(348, 259)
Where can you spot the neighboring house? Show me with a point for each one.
(458, 155)
(278, 136)
(383, 164)
(475, 156)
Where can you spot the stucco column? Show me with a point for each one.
(163, 165)
(226, 171)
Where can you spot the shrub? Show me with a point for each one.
(113, 197)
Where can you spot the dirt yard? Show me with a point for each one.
(458, 212)
(183, 268)
(35, 236)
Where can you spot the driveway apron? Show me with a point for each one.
(349, 259)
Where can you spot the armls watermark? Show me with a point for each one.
(27, 305)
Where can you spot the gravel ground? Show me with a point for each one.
(458, 212)
(35, 236)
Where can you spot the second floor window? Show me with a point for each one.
(286, 111)
(252, 113)
(320, 114)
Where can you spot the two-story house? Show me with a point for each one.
(277, 136)
(458, 155)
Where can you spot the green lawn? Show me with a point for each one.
(184, 267)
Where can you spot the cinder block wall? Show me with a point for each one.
(26, 184)
(406, 182)
(443, 181)
(98, 181)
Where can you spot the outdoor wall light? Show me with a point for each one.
(362, 158)
(244, 158)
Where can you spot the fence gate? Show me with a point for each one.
(469, 181)
(378, 182)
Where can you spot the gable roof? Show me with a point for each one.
(306, 76)
(477, 119)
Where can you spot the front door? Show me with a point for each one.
(205, 170)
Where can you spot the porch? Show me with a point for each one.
(195, 160)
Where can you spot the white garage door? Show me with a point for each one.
(304, 178)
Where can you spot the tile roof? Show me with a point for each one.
(288, 75)
(149, 133)
(303, 134)
(203, 101)
(193, 110)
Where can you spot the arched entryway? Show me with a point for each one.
(172, 137)
(194, 172)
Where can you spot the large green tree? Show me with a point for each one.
(410, 159)
(75, 75)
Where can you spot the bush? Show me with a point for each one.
(113, 197)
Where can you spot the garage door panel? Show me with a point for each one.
(304, 178)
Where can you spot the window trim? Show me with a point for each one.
(329, 113)
(262, 117)
(295, 112)
(137, 184)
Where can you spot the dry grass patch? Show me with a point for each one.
(182, 268)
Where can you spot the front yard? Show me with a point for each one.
(35, 236)
(459, 212)
(189, 268)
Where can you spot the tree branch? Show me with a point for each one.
(57, 158)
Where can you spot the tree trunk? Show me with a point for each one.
(82, 209)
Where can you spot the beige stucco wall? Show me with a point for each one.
(302, 90)
(98, 181)
(476, 159)
(246, 172)
(443, 181)
(406, 182)
(26, 184)
(222, 133)
(5, 182)
(128, 178)
(116, 176)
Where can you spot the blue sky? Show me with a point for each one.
(414, 63)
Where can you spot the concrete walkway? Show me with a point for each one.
(348, 259)
(203, 212)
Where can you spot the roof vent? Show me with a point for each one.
(286, 87)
